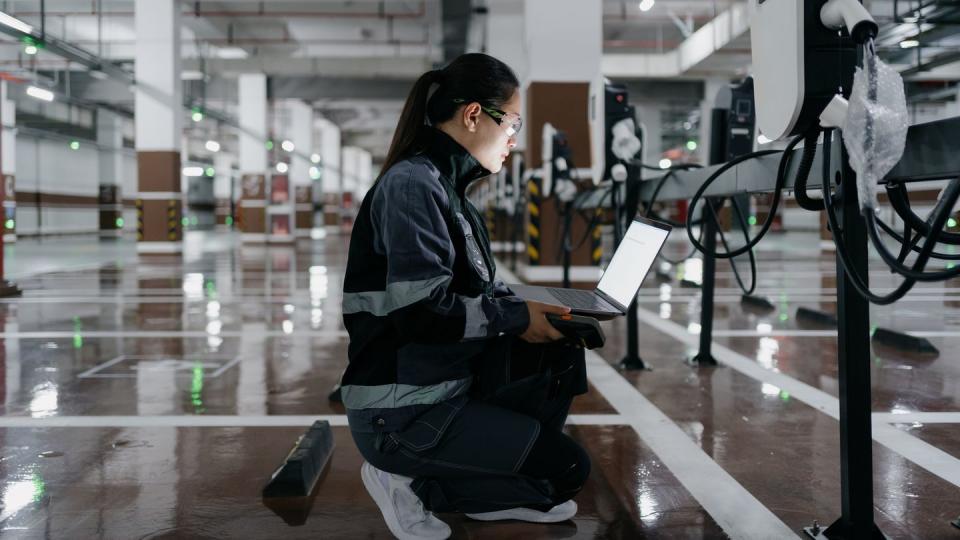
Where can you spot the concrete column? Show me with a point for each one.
(711, 87)
(222, 189)
(110, 143)
(159, 112)
(8, 147)
(300, 132)
(253, 156)
(330, 170)
(563, 43)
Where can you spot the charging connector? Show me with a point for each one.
(849, 14)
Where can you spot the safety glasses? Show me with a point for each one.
(510, 122)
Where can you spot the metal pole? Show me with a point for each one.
(632, 360)
(853, 321)
(566, 244)
(710, 226)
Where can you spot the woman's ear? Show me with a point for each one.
(471, 116)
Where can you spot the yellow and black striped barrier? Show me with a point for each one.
(596, 243)
(534, 200)
(139, 220)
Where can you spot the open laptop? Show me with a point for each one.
(621, 280)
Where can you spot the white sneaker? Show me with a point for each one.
(401, 508)
(558, 513)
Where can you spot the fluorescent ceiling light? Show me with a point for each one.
(909, 44)
(193, 171)
(39, 93)
(646, 5)
(15, 23)
(231, 53)
(212, 146)
(288, 146)
(282, 167)
(315, 158)
(665, 163)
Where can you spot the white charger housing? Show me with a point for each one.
(799, 64)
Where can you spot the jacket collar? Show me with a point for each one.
(453, 160)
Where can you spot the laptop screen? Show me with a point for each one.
(633, 260)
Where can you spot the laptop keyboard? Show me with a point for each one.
(578, 299)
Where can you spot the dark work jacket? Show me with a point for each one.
(419, 297)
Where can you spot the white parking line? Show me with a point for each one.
(913, 449)
(735, 509)
(917, 417)
(144, 334)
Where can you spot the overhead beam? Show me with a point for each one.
(367, 68)
(317, 88)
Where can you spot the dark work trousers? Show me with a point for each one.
(502, 446)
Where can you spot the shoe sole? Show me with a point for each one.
(530, 516)
(382, 500)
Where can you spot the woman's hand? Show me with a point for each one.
(540, 329)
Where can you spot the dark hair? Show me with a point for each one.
(471, 77)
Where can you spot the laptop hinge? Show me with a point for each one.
(611, 301)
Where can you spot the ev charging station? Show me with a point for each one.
(805, 53)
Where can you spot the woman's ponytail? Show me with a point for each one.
(413, 120)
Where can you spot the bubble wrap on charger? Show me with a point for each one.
(876, 128)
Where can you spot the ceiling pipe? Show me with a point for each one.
(264, 41)
(198, 12)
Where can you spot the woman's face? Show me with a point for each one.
(487, 141)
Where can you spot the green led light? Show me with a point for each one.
(74, 145)
(197, 116)
(196, 386)
(39, 487)
(873, 329)
(10, 224)
(784, 317)
(752, 220)
(229, 220)
(119, 222)
(951, 223)
(193, 220)
(269, 145)
(185, 221)
(691, 145)
(210, 171)
(77, 341)
(784, 396)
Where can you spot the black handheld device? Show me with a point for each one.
(581, 331)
